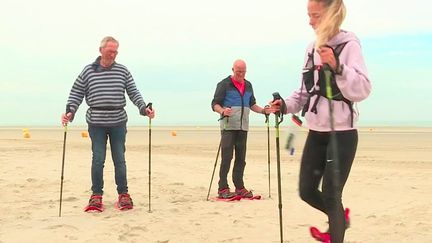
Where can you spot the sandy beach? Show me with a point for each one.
(388, 192)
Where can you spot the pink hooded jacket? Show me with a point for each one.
(353, 83)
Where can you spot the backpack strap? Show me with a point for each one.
(306, 106)
(336, 51)
(350, 106)
(309, 63)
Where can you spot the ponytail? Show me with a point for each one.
(332, 20)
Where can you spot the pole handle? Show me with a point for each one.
(150, 106)
(266, 115)
(277, 96)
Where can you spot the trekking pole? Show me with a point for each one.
(214, 168)
(334, 156)
(149, 173)
(276, 96)
(268, 149)
(62, 169)
(217, 157)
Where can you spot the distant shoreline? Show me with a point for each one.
(377, 129)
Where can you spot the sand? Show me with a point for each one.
(388, 192)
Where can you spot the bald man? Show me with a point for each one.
(233, 100)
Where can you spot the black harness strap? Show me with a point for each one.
(337, 50)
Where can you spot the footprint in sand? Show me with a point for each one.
(235, 221)
(128, 232)
(400, 224)
(141, 228)
(70, 199)
(177, 184)
(71, 237)
(181, 200)
(174, 210)
(57, 226)
(233, 239)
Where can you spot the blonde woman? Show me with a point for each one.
(331, 143)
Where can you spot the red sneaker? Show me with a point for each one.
(319, 236)
(95, 204)
(347, 218)
(325, 236)
(244, 193)
(124, 202)
(225, 193)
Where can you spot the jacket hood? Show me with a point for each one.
(342, 37)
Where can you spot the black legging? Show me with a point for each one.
(314, 167)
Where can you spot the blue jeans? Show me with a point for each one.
(117, 138)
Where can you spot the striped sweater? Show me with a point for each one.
(104, 92)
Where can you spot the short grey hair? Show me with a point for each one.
(107, 39)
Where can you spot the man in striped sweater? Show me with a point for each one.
(103, 84)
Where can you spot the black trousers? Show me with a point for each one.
(317, 164)
(233, 140)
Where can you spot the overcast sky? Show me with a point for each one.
(177, 51)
